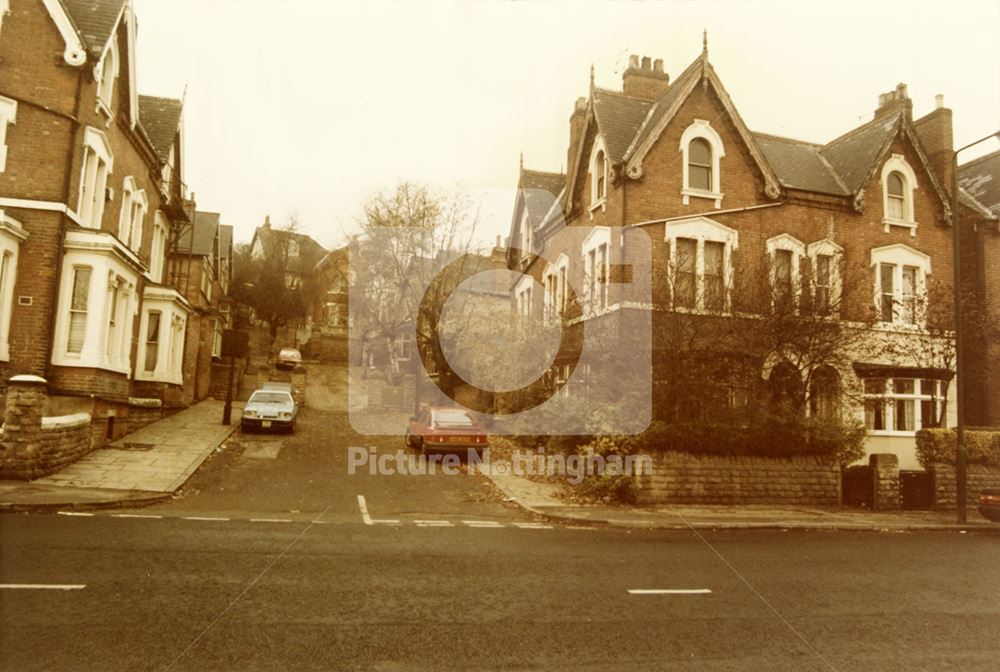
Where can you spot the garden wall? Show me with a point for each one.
(683, 478)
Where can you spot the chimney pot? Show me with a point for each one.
(633, 61)
(498, 241)
(646, 63)
(938, 101)
(658, 65)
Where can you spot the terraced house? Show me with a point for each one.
(92, 203)
(811, 275)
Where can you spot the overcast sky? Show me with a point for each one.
(311, 105)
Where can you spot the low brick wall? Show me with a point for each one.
(61, 440)
(978, 478)
(682, 478)
(220, 379)
(142, 412)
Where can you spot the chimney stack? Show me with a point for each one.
(267, 221)
(935, 133)
(645, 78)
(894, 100)
(576, 123)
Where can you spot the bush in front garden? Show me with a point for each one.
(982, 446)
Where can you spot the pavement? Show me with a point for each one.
(542, 499)
(145, 466)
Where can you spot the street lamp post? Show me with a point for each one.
(960, 455)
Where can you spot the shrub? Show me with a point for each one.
(609, 488)
(982, 446)
(763, 435)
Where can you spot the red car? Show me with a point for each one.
(441, 428)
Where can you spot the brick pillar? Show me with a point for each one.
(885, 473)
(21, 445)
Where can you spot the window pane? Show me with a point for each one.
(714, 285)
(699, 152)
(896, 210)
(904, 415)
(874, 385)
(903, 385)
(874, 414)
(928, 387)
(895, 183)
(700, 177)
(684, 288)
(928, 415)
(783, 278)
(81, 287)
(886, 283)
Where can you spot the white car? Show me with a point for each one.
(270, 409)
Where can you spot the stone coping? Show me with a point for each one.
(64, 421)
(25, 378)
(145, 402)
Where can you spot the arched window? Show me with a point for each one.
(896, 195)
(824, 393)
(700, 165)
(786, 389)
(601, 177)
(108, 74)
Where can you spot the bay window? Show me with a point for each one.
(12, 234)
(902, 405)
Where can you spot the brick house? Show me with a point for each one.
(295, 253)
(199, 266)
(740, 225)
(91, 199)
(979, 199)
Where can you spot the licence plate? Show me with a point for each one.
(265, 423)
(456, 439)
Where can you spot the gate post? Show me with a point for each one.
(885, 478)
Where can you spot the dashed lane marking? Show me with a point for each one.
(133, 515)
(533, 526)
(434, 523)
(271, 520)
(42, 586)
(74, 513)
(204, 518)
(669, 591)
(482, 523)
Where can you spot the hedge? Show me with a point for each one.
(982, 446)
(767, 436)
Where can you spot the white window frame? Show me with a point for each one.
(170, 348)
(105, 74)
(523, 294)
(889, 398)
(598, 199)
(897, 164)
(158, 246)
(596, 281)
(554, 281)
(703, 229)
(900, 256)
(131, 214)
(702, 129)
(826, 247)
(8, 116)
(12, 234)
(98, 165)
(97, 351)
(791, 244)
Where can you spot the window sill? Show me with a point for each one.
(158, 378)
(888, 223)
(602, 204)
(892, 433)
(687, 193)
(103, 108)
(77, 362)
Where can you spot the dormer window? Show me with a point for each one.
(106, 76)
(701, 149)
(598, 176)
(898, 183)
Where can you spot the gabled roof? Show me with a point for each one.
(667, 106)
(309, 251)
(981, 179)
(94, 20)
(800, 165)
(539, 191)
(199, 238)
(619, 118)
(854, 155)
(160, 118)
(225, 239)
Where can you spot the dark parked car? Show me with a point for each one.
(270, 409)
(989, 505)
(444, 428)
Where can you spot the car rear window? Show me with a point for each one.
(452, 419)
(270, 398)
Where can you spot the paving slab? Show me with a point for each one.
(115, 473)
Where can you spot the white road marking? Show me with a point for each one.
(133, 515)
(270, 520)
(203, 518)
(363, 506)
(42, 586)
(74, 513)
(482, 523)
(434, 523)
(580, 527)
(534, 526)
(669, 591)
